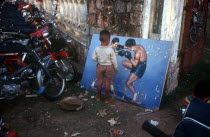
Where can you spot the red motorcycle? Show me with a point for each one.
(21, 68)
(46, 37)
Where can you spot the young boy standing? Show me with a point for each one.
(106, 64)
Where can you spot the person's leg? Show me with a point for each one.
(99, 75)
(131, 79)
(93, 83)
(109, 75)
(107, 89)
(127, 64)
(112, 88)
(100, 83)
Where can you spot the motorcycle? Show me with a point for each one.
(40, 73)
(196, 28)
(44, 39)
(47, 36)
(11, 17)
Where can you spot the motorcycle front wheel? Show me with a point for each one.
(54, 86)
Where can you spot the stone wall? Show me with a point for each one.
(120, 17)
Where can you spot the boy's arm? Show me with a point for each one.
(94, 57)
(114, 60)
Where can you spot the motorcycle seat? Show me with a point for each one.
(21, 36)
(12, 24)
(12, 48)
(27, 31)
(8, 30)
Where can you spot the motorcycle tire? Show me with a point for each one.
(69, 69)
(54, 88)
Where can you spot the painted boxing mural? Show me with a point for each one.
(141, 72)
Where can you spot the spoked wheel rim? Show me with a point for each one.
(54, 86)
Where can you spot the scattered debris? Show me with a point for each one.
(85, 99)
(110, 131)
(75, 134)
(119, 132)
(31, 96)
(66, 134)
(102, 113)
(71, 103)
(155, 123)
(86, 92)
(144, 113)
(113, 121)
(81, 95)
(136, 117)
(148, 110)
(79, 108)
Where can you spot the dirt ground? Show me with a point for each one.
(38, 117)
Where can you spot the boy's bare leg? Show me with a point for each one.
(107, 89)
(98, 97)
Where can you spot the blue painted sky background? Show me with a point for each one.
(150, 86)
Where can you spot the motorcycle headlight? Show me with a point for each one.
(45, 33)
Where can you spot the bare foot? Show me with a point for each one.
(93, 87)
(109, 100)
(113, 92)
(135, 96)
(98, 98)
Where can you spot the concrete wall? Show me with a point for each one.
(171, 29)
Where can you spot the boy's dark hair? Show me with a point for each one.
(114, 40)
(202, 89)
(104, 35)
(130, 42)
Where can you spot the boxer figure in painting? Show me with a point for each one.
(137, 65)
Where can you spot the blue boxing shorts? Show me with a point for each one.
(139, 69)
